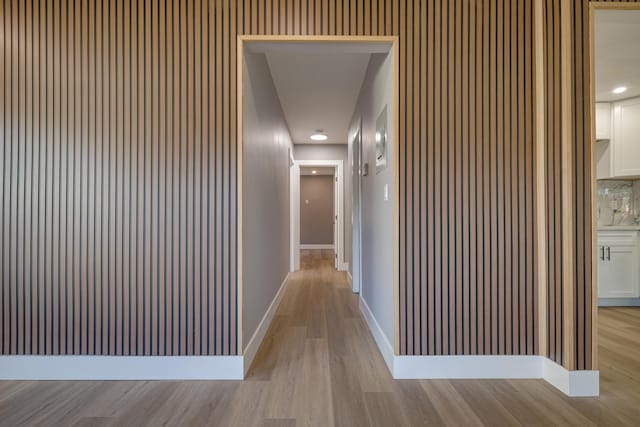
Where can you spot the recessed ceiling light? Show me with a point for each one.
(319, 136)
(314, 172)
(619, 90)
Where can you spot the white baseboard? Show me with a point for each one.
(350, 277)
(254, 344)
(380, 338)
(466, 367)
(121, 368)
(316, 246)
(572, 383)
(618, 302)
(344, 267)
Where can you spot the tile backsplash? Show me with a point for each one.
(618, 202)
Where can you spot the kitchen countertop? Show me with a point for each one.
(618, 227)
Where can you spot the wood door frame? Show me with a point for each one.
(593, 7)
(393, 42)
(338, 244)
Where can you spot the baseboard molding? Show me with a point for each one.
(572, 383)
(350, 277)
(252, 347)
(121, 368)
(380, 338)
(316, 246)
(466, 367)
(343, 267)
(618, 302)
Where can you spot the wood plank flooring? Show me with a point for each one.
(319, 366)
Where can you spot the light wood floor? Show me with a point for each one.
(319, 366)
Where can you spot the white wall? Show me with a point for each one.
(333, 152)
(265, 216)
(377, 214)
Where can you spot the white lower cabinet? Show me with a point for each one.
(618, 264)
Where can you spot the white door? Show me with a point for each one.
(336, 235)
(294, 216)
(356, 220)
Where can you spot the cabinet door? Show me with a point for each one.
(618, 273)
(626, 138)
(603, 120)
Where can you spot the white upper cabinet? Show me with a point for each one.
(603, 120)
(625, 144)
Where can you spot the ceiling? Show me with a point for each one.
(319, 170)
(317, 91)
(617, 53)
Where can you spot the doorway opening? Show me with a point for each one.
(317, 210)
(327, 103)
(615, 119)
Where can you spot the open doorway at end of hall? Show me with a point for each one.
(317, 209)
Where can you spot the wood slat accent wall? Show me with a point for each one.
(467, 266)
(118, 177)
(554, 176)
(119, 194)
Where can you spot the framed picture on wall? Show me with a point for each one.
(381, 141)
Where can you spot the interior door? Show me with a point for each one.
(335, 219)
(294, 178)
(356, 214)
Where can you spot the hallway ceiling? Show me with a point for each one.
(617, 53)
(318, 91)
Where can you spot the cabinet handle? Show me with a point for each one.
(608, 253)
(602, 253)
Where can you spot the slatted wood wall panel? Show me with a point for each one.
(553, 178)
(467, 276)
(119, 171)
(118, 177)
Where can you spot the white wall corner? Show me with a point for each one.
(571, 383)
(251, 349)
(101, 368)
(380, 338)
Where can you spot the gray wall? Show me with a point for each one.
(333, 152)
(377, 214)
(316, 209)
(265, 215)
